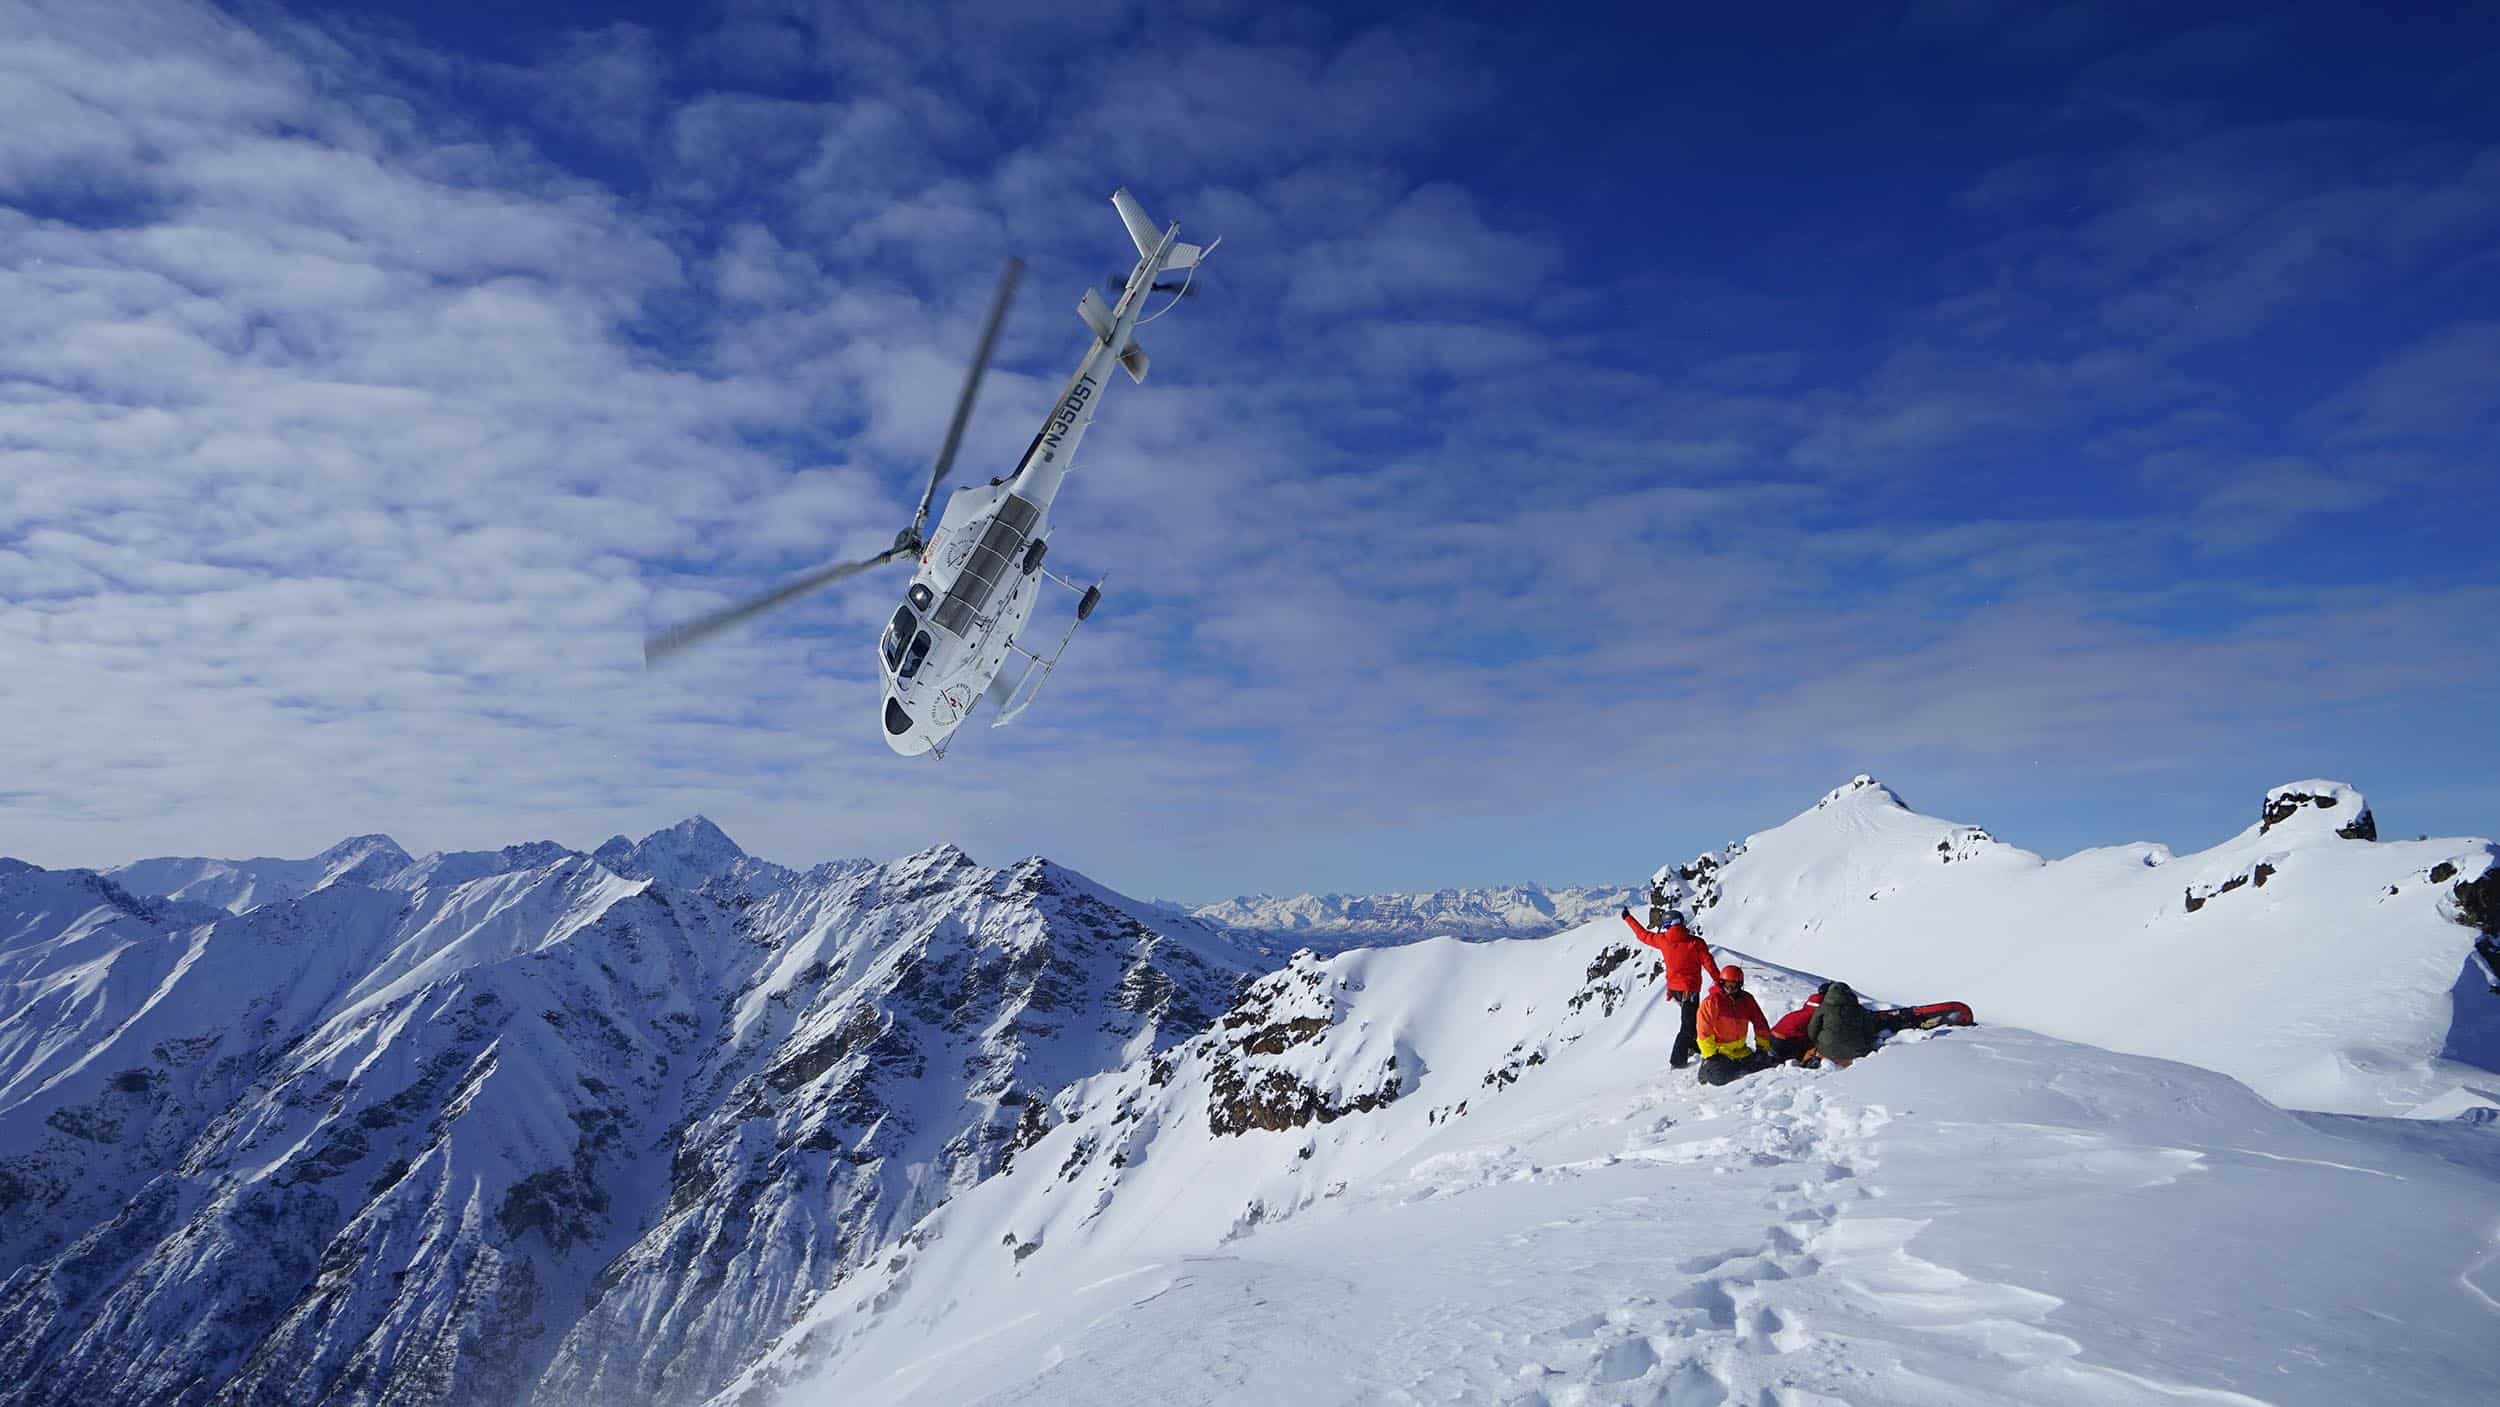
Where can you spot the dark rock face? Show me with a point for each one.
(1281, 1012)
(1701, 879)
(2283, 805)
(2258, 876)
(1276, 1101)
(2478, 901)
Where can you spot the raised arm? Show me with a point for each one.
(1655, 940)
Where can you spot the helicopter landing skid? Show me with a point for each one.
(1037, 669)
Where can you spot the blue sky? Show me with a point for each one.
(1599, 436)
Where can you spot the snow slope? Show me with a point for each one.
(2325, 970)
(1463, 1172)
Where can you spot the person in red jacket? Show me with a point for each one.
(1687, 959)
(1788, 1034)
(1730, 1019)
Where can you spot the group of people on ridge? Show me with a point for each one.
(1721, 1025)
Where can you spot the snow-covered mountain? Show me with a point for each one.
(509, 1125)
(1463, 1172)
(2304, 956)
(689, 855)
(669, 1123)
(236, 885)
(1330, 923)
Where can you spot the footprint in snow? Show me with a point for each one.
(1692, 1386)
(1711, 1297)
(1584, 1327)
(1625, 1360)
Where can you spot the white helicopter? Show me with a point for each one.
(980, 572)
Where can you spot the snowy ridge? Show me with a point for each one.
(1335, 922)
(236, 885)
(1462, 1172)
(2327, 970)
(498, 1127)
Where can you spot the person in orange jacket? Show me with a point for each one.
(1687, 959)
(1730, 1019)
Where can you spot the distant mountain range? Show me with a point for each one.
(522, 1124)
(668, 1124)
(1330, 923)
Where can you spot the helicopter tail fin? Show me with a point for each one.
(1097, 315)
(1143, 234)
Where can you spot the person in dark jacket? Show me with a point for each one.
(1840, 1029)
(1687, 958)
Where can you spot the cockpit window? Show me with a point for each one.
(898, 635)
(920, 596)
(897, 722)
(911, 658)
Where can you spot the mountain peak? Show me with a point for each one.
(360, 845)
(697, 828)
(1865, 791)
(683, 855)
(361, 859)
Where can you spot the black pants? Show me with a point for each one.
(1685, 1044)
(1727, 1069)
(1787, 1048)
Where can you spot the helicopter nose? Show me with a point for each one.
(902, 732)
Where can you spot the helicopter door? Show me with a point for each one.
(898, 634)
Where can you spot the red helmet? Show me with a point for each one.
(1732, 974)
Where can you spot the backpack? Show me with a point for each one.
(1841, 1029)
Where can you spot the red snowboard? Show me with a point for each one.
(1920, 1018)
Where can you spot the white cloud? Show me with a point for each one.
(347, 448)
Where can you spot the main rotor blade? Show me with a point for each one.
(659, 647)
(1007, 278)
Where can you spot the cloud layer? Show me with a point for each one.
(368, 397)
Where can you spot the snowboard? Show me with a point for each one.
(1920, 1018)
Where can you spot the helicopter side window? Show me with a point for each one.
(987, 565)
(912, 658)
(898, 635)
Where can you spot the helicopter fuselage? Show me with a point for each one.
(981, 571)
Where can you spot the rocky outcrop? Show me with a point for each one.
(2352, 817)
(1251, 1082)
(2477, 901)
